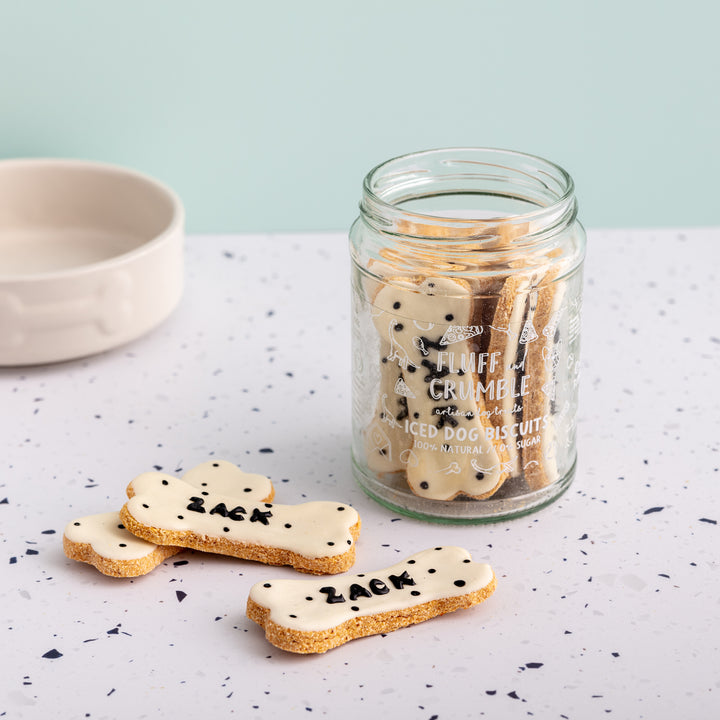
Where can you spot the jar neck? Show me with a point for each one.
(472, 199)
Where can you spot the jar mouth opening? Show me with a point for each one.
(468, 193)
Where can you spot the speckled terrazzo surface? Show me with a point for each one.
(607, 601)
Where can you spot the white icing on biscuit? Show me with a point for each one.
(224, 477)
(108, 537)
(314, 530)
(317, 605)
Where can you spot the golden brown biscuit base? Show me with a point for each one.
(509, 311)
(525, 298)
(306, 642)
(83, 552)
(244, 551)
(539, 470)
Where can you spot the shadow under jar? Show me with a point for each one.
(466, 298)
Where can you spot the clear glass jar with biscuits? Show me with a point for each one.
(466, 299)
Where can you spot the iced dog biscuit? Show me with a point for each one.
(427, 324)
(313, 616)
(103, 541)
(314, 537)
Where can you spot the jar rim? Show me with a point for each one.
(510, 174)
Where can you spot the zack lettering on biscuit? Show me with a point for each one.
(103, 541)
(314, 537)
(312, 616)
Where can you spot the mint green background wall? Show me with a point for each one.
(266, 115)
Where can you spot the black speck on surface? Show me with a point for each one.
(534, 665)
(30, 551)
(653, 510)
(708, 520)
(266, 450)
(4, 501)
(53, 654)
(48, 532)
(180, 595)
(179, 563)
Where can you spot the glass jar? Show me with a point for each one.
(466, 297)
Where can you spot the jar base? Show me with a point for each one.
(398, 497)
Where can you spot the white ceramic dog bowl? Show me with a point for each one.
(91, 257)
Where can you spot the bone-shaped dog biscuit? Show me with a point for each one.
(428, 324)
(312, 616)
(103, 541)
(314, 537)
